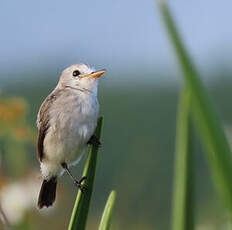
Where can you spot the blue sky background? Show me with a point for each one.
(117, 35)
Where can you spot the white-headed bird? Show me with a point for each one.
(66, 121)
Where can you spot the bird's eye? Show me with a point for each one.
(76, 73)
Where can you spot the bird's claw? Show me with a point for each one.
(94, 141)
(79, 184)
(82, 179)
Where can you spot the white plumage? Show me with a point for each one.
(66, 121)
(72, 120)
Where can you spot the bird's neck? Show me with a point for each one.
(91, 92)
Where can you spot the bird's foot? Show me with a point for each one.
(79, 184)
(94, 141)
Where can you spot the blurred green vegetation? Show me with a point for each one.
(195, 103)
(136, 157)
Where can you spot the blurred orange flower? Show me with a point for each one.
(13, 123)
(12, 110)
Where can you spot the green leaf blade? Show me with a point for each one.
(81, 207)
(182, 215)
(212, 134)
(107, 214)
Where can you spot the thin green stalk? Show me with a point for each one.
(212, 133)
(107, 214)
(182, 213)
(81, 207)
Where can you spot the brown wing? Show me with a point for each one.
(43, 122)
(41, 136)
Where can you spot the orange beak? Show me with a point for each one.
(97, 74)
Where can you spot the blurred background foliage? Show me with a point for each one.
(136, 158)
(138, 98)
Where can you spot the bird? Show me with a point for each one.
(66, 122)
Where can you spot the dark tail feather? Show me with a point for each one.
(47, 194)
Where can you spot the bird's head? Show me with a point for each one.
(80, 76)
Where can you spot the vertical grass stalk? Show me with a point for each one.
(81, 206)
(212, 133)
(183, 190)
(107, 214)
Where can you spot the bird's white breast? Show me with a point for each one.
(73, 121)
